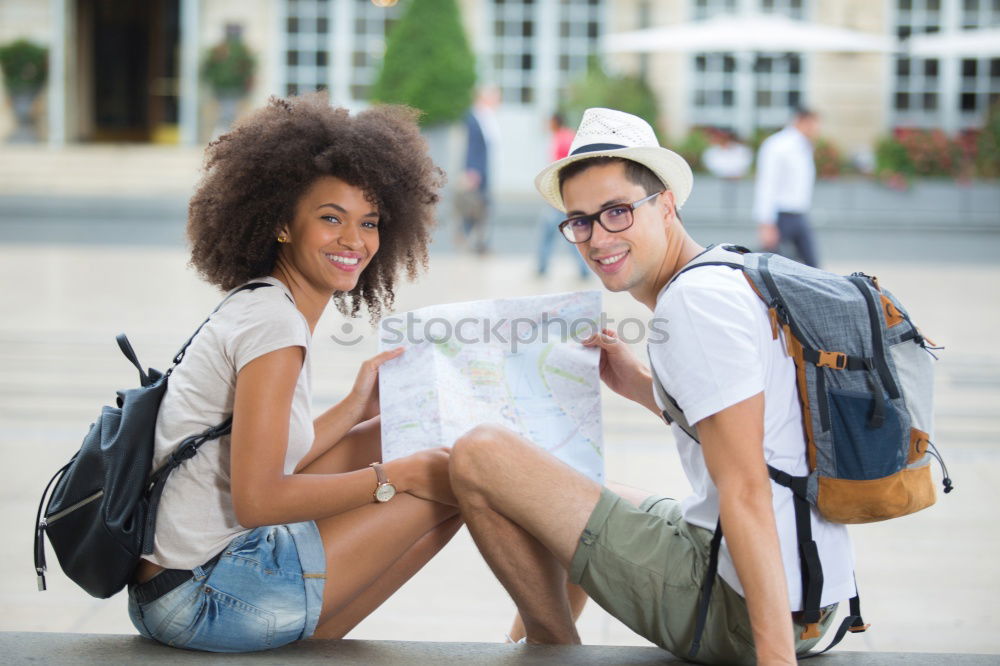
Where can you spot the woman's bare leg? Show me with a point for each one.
(371, 551)
(391, 580)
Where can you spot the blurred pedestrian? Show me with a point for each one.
(786, 174)
(473, 198)
(729, 160)
(727, 157)
(562, 138)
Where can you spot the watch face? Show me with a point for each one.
(385, 492)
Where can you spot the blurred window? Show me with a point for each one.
(777, 77)
(580, 26)
(979, 89)
(307, 27)
(980, 14)
(778, 82)
(917, 81)
(704, 9)
(514, 46)
(371, 25)
(792, 8)
(715, 89)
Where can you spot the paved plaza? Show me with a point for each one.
(929, 581)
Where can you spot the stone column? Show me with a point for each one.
(56, 102)
(189, 85)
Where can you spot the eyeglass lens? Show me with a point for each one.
(616, 218)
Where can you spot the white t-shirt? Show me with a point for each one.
(720, 352)
(196, 518)
(786, 173)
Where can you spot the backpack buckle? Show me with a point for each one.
(811, 630)
(835, 360)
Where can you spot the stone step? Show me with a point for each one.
(95, 170)
(58, 648)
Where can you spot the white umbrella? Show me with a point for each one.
(747, 32)
(983, 43)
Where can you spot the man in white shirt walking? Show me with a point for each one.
(783, 193)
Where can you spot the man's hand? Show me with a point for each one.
(622, 371)
(768, 235)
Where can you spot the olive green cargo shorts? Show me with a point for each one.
(645, 566)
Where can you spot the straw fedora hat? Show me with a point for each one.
(611, 133)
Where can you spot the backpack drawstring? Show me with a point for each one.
(946, 480)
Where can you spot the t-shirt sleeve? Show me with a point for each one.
(266, 324)
(710, 359)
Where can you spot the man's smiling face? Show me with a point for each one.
(626, 260)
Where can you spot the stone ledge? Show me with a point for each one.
(58, 648)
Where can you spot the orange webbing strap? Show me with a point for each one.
(794, 348)
(852, 623)
(811, 631)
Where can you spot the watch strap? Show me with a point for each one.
(379, 473)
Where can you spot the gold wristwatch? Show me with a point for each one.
(384, 491)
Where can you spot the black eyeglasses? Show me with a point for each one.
(613, 219)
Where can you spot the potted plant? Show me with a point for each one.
(25, 68)
(431, 69)
(228, 70)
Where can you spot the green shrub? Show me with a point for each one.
(987, 157)
(596, 87)
(891, 158)
(829, 163)
(229, 67)
(25, 66)
(692, 147)
(428, 64)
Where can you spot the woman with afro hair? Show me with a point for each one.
(289, 527)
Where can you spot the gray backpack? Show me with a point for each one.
(864, 374)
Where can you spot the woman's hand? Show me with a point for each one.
(363, 397)
(621, 370)
(427, 475)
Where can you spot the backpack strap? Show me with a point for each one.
(179, 356)
(705, 595)
(810, 566)
(852, 622)
(189, 447)
(126, 347)
(672, 412)
(39, 553)
(714, 255)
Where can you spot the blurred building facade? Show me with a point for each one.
(129, 71)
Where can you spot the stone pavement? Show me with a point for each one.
(91, 649)
(928, 581)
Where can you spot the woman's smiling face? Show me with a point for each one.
(333, 236)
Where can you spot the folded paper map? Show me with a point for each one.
(517, 362)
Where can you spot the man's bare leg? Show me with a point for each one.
(526, 510)
(576, 595)
(577, 599)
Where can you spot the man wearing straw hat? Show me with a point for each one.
(540, 525)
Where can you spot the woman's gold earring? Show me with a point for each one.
(282, 238)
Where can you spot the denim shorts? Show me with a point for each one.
(264, 591)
